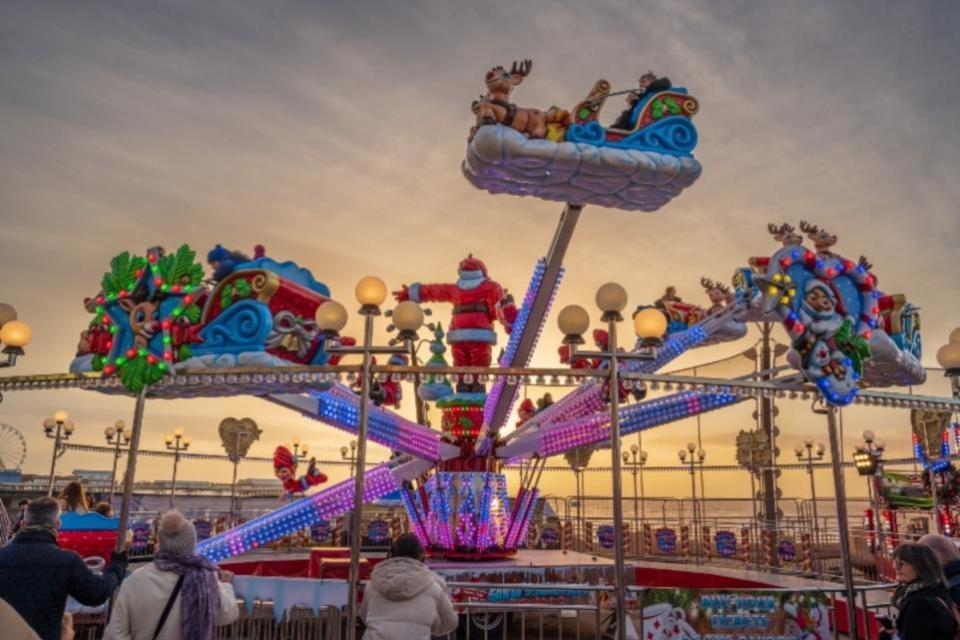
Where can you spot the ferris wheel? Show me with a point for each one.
(13, 448)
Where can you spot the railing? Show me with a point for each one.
(575, 611)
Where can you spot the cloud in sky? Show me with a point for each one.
(333, 134)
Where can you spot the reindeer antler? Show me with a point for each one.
(523, 69)
(707, 284)
(863, 262)
(808, 228)
(774, 229)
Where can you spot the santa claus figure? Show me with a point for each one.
(477, 302)
(285, 468)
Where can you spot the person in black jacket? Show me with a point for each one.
(946, 551)
(926, 611)
(36, 575)
(649, 83)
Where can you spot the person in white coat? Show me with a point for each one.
(194, 593)
(405, 600)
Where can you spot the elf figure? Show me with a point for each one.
(285, 468)
(477, 302)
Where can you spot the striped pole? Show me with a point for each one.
(684, 540)
(806, 550)
(647, 540)
(588, 534)
(706, 545)
(627, 541)
(745, 545)
(567, 532)
(336, 533)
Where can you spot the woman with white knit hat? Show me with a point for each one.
(178, 596)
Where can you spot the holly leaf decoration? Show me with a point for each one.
(854, 346)
(137, 373)
(241, 289)
(226, 296)
(123, 273)
(180, 267)
(192, 313)
(184, 353)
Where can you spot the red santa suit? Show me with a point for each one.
(477, 302)
(285, 468)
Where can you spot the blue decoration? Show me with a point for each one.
(242, 327)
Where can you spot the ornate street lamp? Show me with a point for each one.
(176, 442)
(697, 457)
(119, 438)
(331, 317)
(573, 321)
(349, 454)
(60, 428)
(636, 460)
(805, 453)
(949, 358)
(14, 334)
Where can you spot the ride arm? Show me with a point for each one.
(339, 407)
(594, 429)
(305, 512)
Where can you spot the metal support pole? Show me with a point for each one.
(696, 523)
(768, 477)
(113, 473)
(843, 525)
(614, 382)
(355, 516)
(173, 483)
(53, 461)
(132, 449)
(816, 525)
(636, 515)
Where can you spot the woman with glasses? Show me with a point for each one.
(925, 609)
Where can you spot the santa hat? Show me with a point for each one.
(471, 265)
(218, 254)
(283, 458)
(601, 338)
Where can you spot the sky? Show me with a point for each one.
(332, 133)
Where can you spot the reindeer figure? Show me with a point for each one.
(786, 234)
(495, 107)
(719, 294)
(821, 238)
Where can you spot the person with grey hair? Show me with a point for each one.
(178, 596)
(36, 575)
(946, 551)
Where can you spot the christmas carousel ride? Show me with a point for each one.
(156, 320)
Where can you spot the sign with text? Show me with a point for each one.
(688, 614)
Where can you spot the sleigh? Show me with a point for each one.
(155, 314)
(659, 122)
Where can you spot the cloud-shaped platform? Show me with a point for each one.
(502, 160)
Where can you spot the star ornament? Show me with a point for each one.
(779, 289)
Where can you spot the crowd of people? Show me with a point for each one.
(182, 596)
(179, 595)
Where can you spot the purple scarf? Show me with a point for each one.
(199, 596)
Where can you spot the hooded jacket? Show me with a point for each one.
(406, 601)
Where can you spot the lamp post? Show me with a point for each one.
(299, 448)
(176, 442)
(949, 358)
(331, 317)
(60, 428)
(650, 324)
(867, 459)
(696, 458)
(14, 335)
(349, 454)
(117, 436)
(805, 453)
(636, 459)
